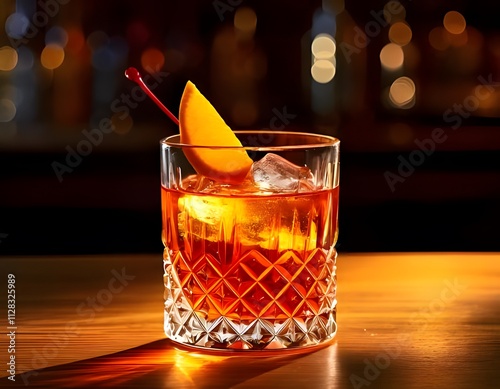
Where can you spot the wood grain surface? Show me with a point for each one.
(406, 320)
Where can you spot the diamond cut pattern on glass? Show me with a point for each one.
(289, 265)
(255, 304)
(315, 262)
(274, 283)
(239, 280)
(257, 300)
(258, 333)
(290, 332)
(205, 274)
(255, 264)
(223, 298)
(240, 313)
(290, 301)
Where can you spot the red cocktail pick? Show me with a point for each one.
(134, 75)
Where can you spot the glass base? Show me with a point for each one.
(298, 312)
(232, 352)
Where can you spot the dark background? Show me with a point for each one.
(110, 201)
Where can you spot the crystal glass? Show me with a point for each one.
(252, 266)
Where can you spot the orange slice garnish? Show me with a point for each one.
(201, 125)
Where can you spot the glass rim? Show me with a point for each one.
(327, 141)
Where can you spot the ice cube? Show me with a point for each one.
(201, 184)
(274, 173)
(197, 183)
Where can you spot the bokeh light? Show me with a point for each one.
(152, 58)
(104, 59)
(119, 47)
(454, 22)
(52, 56)
(8, 58)
(392, 56)
(110, 54)
(323, 71)
(56, 35)
(122, 125)
(402, 92)
(138, 33)
(323, 50)
(400, 33)
(16, 25)
(323, 47)
(439, 38)
(7, 110)
(76, 40)
(245, 20)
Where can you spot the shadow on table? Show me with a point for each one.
(158, 365)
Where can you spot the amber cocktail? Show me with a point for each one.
(251, 265)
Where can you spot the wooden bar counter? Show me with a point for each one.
(406, 320)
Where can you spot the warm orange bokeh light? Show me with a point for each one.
(152, 58)
(454, 22)
(400, 33)
(245, 20)
(76, 40)
(52, 56)
(323, 71)
(122, 126)
(402, 91)
(392, 56)
(8, 58)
